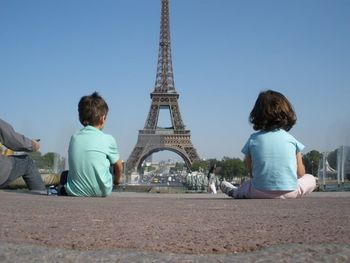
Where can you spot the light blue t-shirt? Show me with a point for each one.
(274, 165)
(90, 155)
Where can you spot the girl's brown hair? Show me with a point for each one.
(272, 110)
(91, 109)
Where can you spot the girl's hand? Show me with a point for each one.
(300, 165)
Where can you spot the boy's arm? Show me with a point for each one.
(300, 165)
(118, 170)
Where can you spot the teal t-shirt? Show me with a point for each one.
(90, 155)
(274, 165)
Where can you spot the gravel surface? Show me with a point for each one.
(173, 228)
(10, 253)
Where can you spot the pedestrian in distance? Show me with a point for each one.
(13, 166)
(272, 155)
(211, 180)
(92, 154)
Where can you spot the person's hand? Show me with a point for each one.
(36, 145)
(118, 170)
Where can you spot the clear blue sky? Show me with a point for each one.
(224, 52)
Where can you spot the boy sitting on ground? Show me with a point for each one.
(92, 153)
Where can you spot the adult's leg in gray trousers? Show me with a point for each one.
(24, 166)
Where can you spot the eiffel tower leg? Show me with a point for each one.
(148, 144)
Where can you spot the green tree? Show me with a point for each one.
(311, 161)
(202, 165)
(36, 156)
(231, 167)
(45, 161)
(178, 168)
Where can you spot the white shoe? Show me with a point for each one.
(228, 188)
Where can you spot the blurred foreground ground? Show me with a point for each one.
(145, 227)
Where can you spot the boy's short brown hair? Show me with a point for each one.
(91, 109)
(272, 110)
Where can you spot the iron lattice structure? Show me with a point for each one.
(153, 138)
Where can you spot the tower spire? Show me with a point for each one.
(165, 76)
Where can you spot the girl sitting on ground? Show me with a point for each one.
(272, 155)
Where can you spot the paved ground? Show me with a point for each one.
(142, 227)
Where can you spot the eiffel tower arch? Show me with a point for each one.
(153, 138)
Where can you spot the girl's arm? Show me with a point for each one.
(300, 166)
(248, 164)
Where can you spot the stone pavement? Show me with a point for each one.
(143, 227)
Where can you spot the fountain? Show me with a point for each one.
(339, 178)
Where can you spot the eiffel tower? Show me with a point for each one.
(164, 97)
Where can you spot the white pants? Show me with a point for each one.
(306, 185)
(212, 188)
